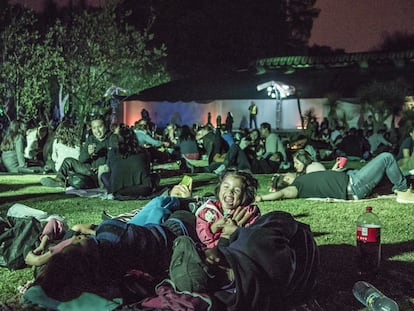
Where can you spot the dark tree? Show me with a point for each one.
(397, 41)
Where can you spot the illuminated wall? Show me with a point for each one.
(188, 113)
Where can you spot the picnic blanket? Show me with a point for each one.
(104, 195)
(387, 196)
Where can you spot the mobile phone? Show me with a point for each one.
(186, 181)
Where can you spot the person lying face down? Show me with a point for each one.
(352, 184)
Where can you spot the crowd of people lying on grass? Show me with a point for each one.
(221, 254)
(120, 158)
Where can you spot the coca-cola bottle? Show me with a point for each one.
(368, 240)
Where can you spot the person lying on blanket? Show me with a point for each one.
(351, 185)
(96, 257)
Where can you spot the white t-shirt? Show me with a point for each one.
(315, 167)
(60, 152)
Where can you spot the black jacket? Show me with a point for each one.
(275, 262)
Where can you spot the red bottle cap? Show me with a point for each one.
(368, 208)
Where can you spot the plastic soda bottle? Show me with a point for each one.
(371, 297)
(368, 240)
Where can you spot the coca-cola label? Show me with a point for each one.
(368, 234)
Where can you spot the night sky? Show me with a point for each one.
(358, 25)
(353, 25)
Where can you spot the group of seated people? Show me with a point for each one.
(121, 159)
(223, 254)
(23, 149)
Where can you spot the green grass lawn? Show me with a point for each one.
(333, 224)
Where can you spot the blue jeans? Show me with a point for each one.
(156, 211)
(368, 177)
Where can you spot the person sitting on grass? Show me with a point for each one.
(66, 144)
(238, 157)
(352, 184)
(128, 170)
(93, 154)
(304, 164)
(12, 148)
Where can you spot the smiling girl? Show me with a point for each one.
(235, 192)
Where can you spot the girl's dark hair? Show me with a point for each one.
(71, 272)
(304, 157)
(278, 182)
(128, 142)
(250, 184)
(66, 134)
(186, 133)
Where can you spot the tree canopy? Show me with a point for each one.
(83, 55)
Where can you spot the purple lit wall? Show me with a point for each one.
(162, 113)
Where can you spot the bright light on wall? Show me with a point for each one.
(277, 89)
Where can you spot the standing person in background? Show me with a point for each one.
(229, 122)
(218, 121)
(12, 148)
(65, 145)
(93, 154)
(209, 119)
(253, 114)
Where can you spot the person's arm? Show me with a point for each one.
(85, 228)
(281, 148)
(406, 153)
(290, 192)
(32, 259)
(148, 140)
(181, 191)
(85, 156)
(204, 228)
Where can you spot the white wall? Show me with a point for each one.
(192, 112)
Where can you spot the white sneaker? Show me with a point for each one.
(405, 196)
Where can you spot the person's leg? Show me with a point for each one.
(156, 211)
(72, 165)
(365, 179)
(231, 156)
(182, 222)
(242, 161)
